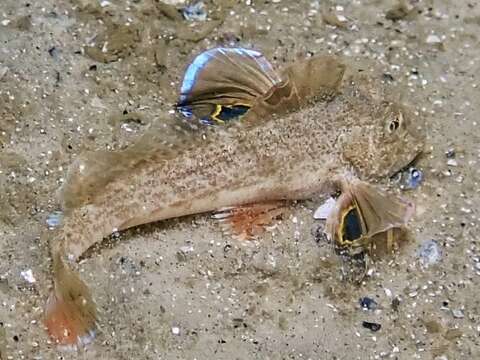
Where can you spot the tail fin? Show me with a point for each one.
(70, 313)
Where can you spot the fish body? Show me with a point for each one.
(288, 157)
(272, 153)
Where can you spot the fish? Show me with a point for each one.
(247, 137)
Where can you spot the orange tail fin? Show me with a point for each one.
(248, 221)
(70, 313)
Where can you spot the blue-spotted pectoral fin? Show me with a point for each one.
(214, 114)
(363, 212)
(202, 112)
(221, 84)
(225, 113)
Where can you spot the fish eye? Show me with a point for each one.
(395, 123)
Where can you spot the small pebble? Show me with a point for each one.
(433, 39)
(396, 303)
(389, 77)
(371, 326)
(54, 219)
(368, 303)
(450, 153)
(28, 276)
(429, 253)
(186, 249)
(195, 12)
(414, 178)
(452, 162)
(458, 314)
(3, 71)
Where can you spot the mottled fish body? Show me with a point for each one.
(297, 131)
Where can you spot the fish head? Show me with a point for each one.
(385, 142)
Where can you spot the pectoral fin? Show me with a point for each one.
(364, 214)
(221, 84)
(380, 211)
(246, 222)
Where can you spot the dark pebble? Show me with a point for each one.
(320, 235)
(414, 178)
(388, 77)
(371, 326)
(450, 153)
(368, 303)
(395, 303)
(53, 51)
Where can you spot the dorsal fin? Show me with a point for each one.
(92, 171)
(223, 83)
(314, 79)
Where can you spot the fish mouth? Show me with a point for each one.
(409, 165)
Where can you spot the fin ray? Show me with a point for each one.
(246, 222)
(70, 313)
(303, 82)
(225, 76)
(378, 216)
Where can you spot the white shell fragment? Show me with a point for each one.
(28, 276)
(195, 12)
(54, 219)
(3, 71)
(452, 162)
(324, 210)
(186, 249)
(429, 253)
(433, 39)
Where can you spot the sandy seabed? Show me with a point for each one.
(82, 74)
